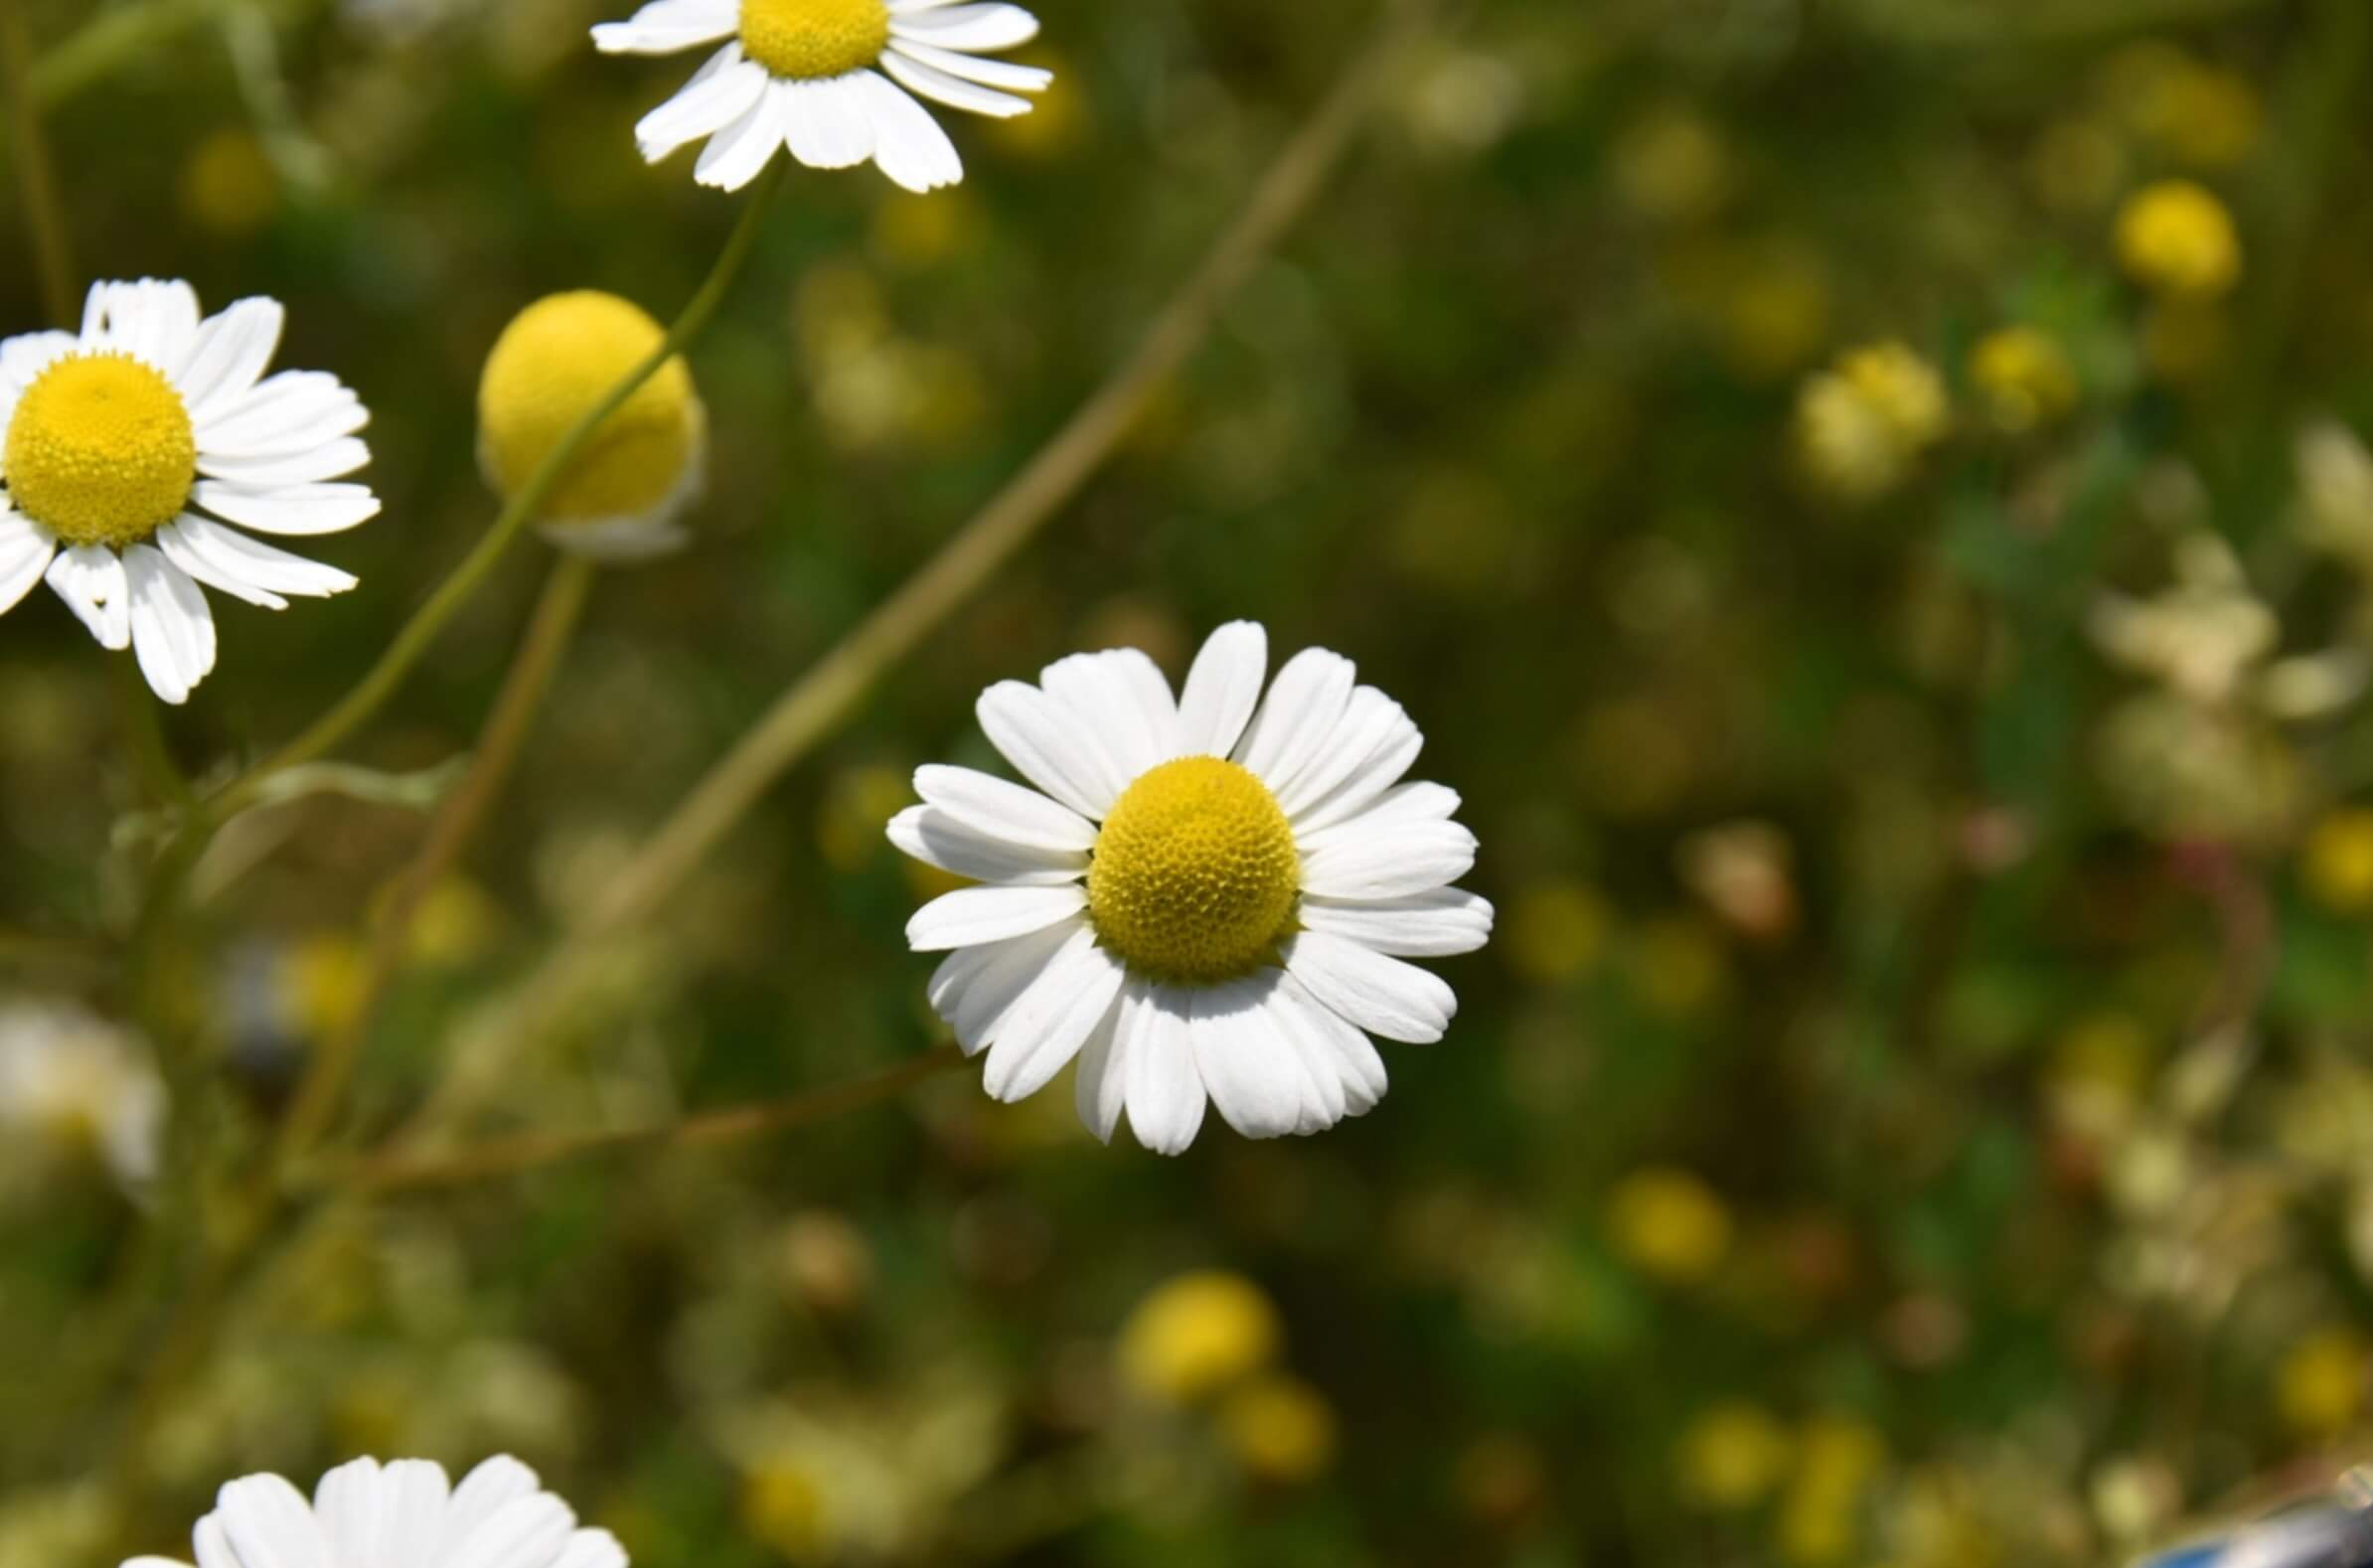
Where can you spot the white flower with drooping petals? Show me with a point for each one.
(69, 1077)
(808, 76)
(128, 449)
(1200, 902)
(403, 1514)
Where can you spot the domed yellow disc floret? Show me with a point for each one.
(811, 38)
(554, 361)
(1194, 874)
(101, 450)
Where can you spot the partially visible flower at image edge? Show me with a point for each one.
(1207, 897)
(626, 486)
(403, 1514)
(802, 75)
(68, 1075)
(127, 448)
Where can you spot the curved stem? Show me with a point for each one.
(457, 818)
(394, 1173)
(376, 686)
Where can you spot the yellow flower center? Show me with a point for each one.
(810, 39)
(1194, 874)
(557, 360)
(101, 450)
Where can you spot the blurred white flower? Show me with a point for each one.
(2199, 635)
(801, 75)
(403, 1515)
(1206, 902)
(117, 441)
(68, 1078)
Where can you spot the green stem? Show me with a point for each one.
(52, 254)
(144, 730)
(373, 690)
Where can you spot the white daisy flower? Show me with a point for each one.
(71, 1078)
(624, 490)
(808, 74)
(403, 1514)
(127, 448)
(1197, 899)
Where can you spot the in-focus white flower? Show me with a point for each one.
(128, 447)
(1198, 900)
(622, 493)
(71, 1077)
(403, 1515)
(808, 76)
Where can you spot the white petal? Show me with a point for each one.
(523, 1532)
(229, 356)
(1397, 807)
(152, 320)
(1380, 995)
(1368, 719)
(1305, 703)
(666, 26)
(1393, 863)
(936, 838)
(1047, 746)
(249, 569)
(23, 358)
(1101, 1088)
(351, 1505)
(592, 1549)
(26, 549)
(415, 1494)
(1327, 1036)
(1222, 689)
(287, 411)
(154, 1562)
(826, 123)
(483, 1493)
(1166, 1086)
(173, 630)
(1108, 698)
(213, 1546)
(1067, 1002)
(736, 154)
(269, 1525)
(89, 580)
(975, 988)
(330, 460)
(954, 92)
(1376, 773)
(719, 92)
(989, 914)
(288, 509)
(908, 144)
(970, 67)
(1258, 1085)
(970, 26)
(990, 805)
(1433, 924)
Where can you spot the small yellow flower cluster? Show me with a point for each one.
(1209, 1338)
(1669, 1224)
(1863, 425)
(2023, 378)
(2177, 239)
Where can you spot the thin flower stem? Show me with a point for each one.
(53, 254)
(831, 689)
(398, 1171)
(540, 648)
(373, 690)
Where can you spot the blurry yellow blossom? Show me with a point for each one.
(228, 184)
(784, 1506)
(828, 1477)
(1197, 1333)
(2177, 239)
(42, 1527)
(1062, 119)
(322, 979)
(1774, 312)
(1671, 166)
(1554, 930)
(1821, 1517)
(1863, 423)
(2337, 863)
(1279, 1428)
(2023, 376)
(454, 923)
(2198, 113)
(855, 806)
(1668, 1223)
(2319, 1384)
(1731, 1455)
(1678, 966)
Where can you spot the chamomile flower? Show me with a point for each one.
(640, 468)
(1201, 901)
(809, 75)
(128, 449)
(403, 1514)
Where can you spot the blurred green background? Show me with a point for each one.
(1863, 500)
